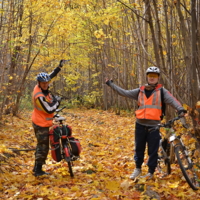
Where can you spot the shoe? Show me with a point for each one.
(41, 173)
(38, 171)
(148, 176)
(136, 173)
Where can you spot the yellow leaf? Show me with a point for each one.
(2, 11)
(198, 104)
(174, 43)
(75, 188)
(100, 168)
(112, 185)
(173, 36)
(95, 183)
(106, 21)
(59, 12)
(135, 5)
(174, 185)
(100, 153)
(185, 106)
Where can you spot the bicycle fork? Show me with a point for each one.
(177, 141)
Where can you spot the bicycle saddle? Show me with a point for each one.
(59, 118)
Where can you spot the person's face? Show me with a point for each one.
(152, 78)
(44, 85)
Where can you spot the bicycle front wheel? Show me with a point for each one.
(68, 160)
(70, 169)
(187, 168)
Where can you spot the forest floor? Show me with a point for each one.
(101, 173)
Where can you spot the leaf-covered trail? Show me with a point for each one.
(102, 172)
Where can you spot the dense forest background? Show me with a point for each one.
(117, 39)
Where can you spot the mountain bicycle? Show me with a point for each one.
(172, 147)
(64, 145)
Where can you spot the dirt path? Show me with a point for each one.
(102, 172)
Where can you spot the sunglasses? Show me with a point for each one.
(152, 75)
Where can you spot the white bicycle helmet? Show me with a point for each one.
(43, 77)
(153, 69)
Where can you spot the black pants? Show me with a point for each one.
(143, 137)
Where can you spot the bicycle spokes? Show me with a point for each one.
(187, 167)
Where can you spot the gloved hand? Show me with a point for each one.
(57, 98)
(182, 112)
(61, 63)
(108, 81)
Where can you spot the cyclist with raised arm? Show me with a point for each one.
(148, 115)
(45, 105)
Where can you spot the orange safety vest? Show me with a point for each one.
(39, 116)
(150, 108)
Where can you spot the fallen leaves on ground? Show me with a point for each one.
(101, 173)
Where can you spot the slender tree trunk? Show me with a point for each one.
(195, 53)
(153, 35)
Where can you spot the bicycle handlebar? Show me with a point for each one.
(58, 110)
(166, 125)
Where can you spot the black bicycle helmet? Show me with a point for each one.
(43, 77)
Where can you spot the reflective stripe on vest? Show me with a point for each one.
(49, 118)
(36, 107)
(38, 93)
(150, 108)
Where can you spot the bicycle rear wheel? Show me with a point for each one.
(68, 160)
(163, 165)
(187, 167)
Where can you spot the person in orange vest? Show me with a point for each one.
(45, 105)
(148, 114)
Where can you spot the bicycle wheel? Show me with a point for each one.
(186, 167)
(68, 160)
(163, 164)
